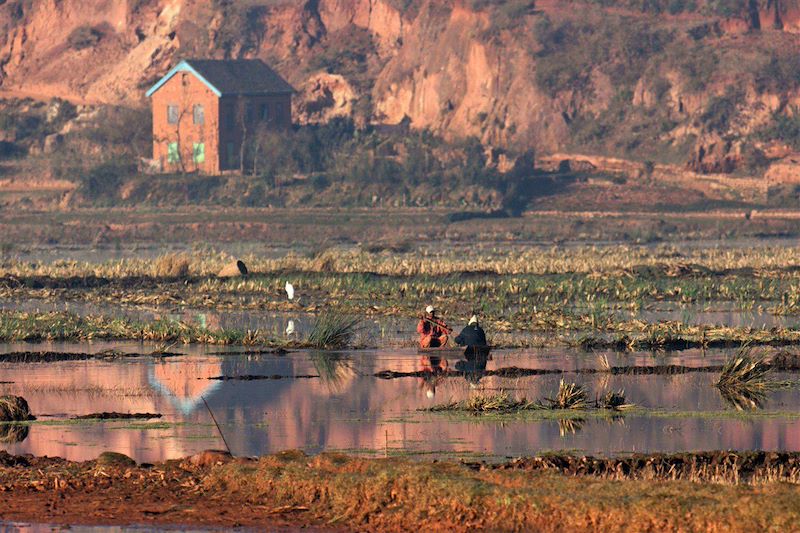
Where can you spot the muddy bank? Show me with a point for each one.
(334, 491)
(52, 357)
(117, 416)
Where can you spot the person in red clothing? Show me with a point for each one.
(432, 330)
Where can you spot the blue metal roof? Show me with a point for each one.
(183, 66)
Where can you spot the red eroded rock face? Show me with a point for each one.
(450, 66)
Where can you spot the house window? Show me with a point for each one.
(199, 114)
(172, 114)
(199, 152)
(264, 112)
(173, 156)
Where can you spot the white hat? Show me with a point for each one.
(430, 309)
(473, 320)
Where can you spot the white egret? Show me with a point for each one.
(290, 328)
(289, 290)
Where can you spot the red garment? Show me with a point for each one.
(432, 335)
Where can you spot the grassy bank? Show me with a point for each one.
(717, 491)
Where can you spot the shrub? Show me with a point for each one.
(84, 37)
(720, 111)
(102, 180)
(784, 128)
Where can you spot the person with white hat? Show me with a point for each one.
(433, 331)
(472, 334)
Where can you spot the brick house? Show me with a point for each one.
(204, 110)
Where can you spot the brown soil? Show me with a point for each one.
(336, 491)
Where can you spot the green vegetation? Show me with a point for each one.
(784, 127)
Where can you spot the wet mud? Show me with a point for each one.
(118, 416)
(249, 377)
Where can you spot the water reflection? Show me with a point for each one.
(13, 433)
(347, 408)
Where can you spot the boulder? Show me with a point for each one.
(207, 458)
(115, 459)
(52, 143)
(233, 270)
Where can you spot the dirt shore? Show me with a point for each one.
(730, 492)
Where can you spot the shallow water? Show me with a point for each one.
(349, 409)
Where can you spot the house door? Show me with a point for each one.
(232, 158)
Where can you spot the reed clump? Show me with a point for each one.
(569, 396)
(14, 409)
(744, 381)
(745, 370)
(614, 400)
(333, 331)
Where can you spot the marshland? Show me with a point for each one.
(600, 351)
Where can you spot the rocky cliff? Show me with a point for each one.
(711, 84)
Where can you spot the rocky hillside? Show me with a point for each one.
(712, 85)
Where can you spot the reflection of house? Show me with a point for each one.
(205, 110)
(185, 383)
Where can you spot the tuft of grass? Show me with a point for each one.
(745, 370)
(171, 266)
(332, 331)
(570, 396)
(744, 380)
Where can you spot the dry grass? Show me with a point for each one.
(670, 260)
(14, 409)
(171, 266)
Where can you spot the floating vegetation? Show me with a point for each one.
(501, 402)
(332, 331)
(569, 396)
